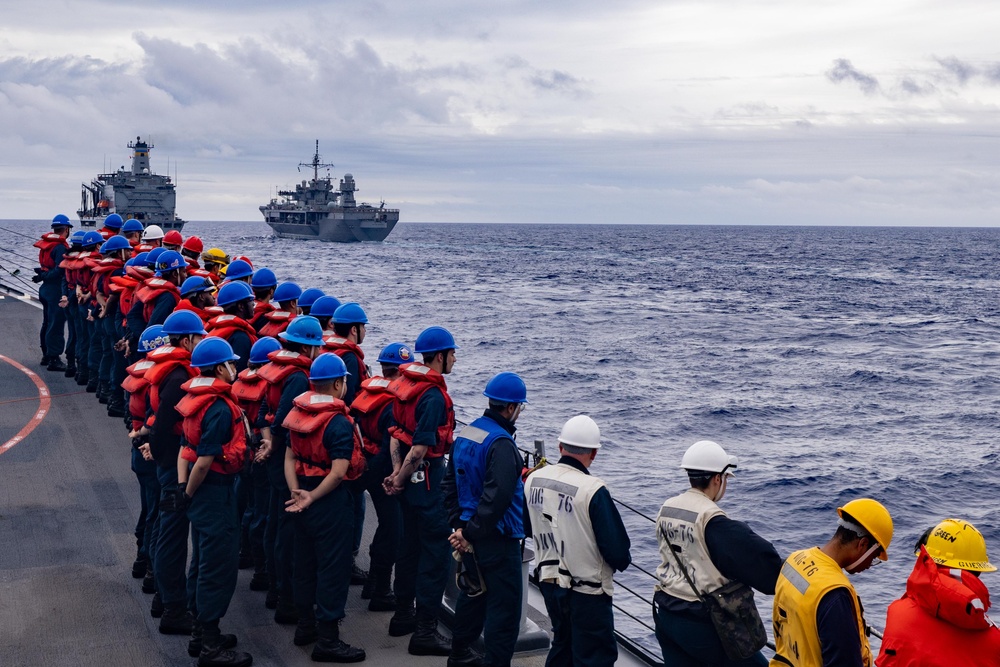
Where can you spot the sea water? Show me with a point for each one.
(837, 363)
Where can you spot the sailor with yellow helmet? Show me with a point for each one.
(818, 619)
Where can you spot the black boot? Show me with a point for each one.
(116, 408)
(156, 606)
(258, 582)
(271, 601)
(81, 377)
(285, 613)
(176, 620)
(380, 592)
(45, 359)
(139, 566)
(149, 582)
(358, 576)
(92, 385)
(215, 653)
(464, 658)
(305, 631)
(56, 364)
(426, 640)
(103, 393)
(71, 369)
(330, 648)
(196, 643)
(404, 621)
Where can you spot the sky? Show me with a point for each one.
(634, 111)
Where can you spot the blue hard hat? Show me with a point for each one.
(140, 259)
(152, 338)
(115, 243)
(327, 366)
(113, 221)
(309, 297)
(77, 237)
(238, 270)
(170, 260)
(507, 387)
(325, 306)
(287, 292)
(350, 313)
(263, 277)
(434, 339)
(153, 255)
(395, 354)
(196, 284)
(233, 292)
(61, 221)
(212, 351)
(93, 238)
(304, 329)
(132, 225)
(131, 261)
(263, 347)
(183, 323)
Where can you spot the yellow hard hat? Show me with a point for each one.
(873, 517)
(216, 256)
(956, 543)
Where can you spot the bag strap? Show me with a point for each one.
(684, 571)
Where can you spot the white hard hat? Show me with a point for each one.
(708, 456)
(581, 431)
(152, 233)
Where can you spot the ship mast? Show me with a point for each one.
(315, 164)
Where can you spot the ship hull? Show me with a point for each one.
(336, 227)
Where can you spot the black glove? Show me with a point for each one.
(139, 441)
(176, 500)
(37, 278)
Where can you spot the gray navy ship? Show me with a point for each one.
(315, 210)
(149, 198)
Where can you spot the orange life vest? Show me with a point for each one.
(224, 326)
(141, 248)
(367, 407)
(165, 359)
(414, 380)
(46, 245)
(260, 309)
(341, 346)
(283, 363)
(137, 386)
(306, 424)
(248, 390)
(107, 232)
(99, 281)
(151, 289)
(202, 392)
(277, 321)
(204, 313)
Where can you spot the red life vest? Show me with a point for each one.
(151, 289)
(204, 313)
(200, 273)
(260, 309)
(84, 272)
(46, 245)
(140, 248)
(283, 363)
(107, 232)
(99, 275)
(277, 321)
(71, 264)
(224, 326)
(341, 346)
(414, 380)
(202, 392)
(165, 360)
(248, 390)
(940, 621)
(306, 424)
(367, 407)
(137, 386)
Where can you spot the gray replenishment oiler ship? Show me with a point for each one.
(149, 198)
(314, 210)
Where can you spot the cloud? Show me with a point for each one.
(556, 81)
(961, 71)
(843, 70)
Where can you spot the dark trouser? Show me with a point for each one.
(44, 330)
(107, 327)
(323, 555)
(358, 504)
(54, 341)
(149, 494)
(279, 537)
(498, 610)
(96, 351)
(71, 326)
(260, 499)
(688, 641)
(215, 547)
(171, 544)
(583, 628)
(83, 332)
(119, 362)
(384, 548)
(425, 555)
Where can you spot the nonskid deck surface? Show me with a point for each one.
(68, 505)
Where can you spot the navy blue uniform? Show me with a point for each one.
(52, 338)
(384, 548)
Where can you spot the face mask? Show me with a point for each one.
(865, 557)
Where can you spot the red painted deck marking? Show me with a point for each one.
(43, 404)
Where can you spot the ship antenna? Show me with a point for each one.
(315, 164)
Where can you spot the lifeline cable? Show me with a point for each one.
(18, 233)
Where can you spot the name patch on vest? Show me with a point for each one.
(794, 578)
(320, 398)
(473, 433)
(202, 382)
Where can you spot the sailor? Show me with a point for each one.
(307, 299)
(172, 368)
(286, 375)
(173, 240)
(287, 295)
(85, 329)
(214, 452)
(115, 250)
(239, 270)
(372, 412)
(215, 260)
(323, 309)
(696, 538)
(263, 284)
(198, 296)
(484, 495)
(132, 230)
(159, 296)
(580, 542)
(941, 619)
(422, 433)
(236, 301)
(136, 273)
(51, 249)
(349, 328)
(153, 236)
(86, 295)
(191, 249)
(248, 390)
(112, 225)
(70, 265)
(818, 619)
(324, 452)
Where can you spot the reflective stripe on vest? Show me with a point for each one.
(469, 457)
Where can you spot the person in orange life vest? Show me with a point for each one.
(263, 283)
(248, 390)
(173, 240)
(198, 296)
(323, 309)
(112, 225)
(236, 301)
(137, 271)
(172, 368)
(818, 617)
(87, 304)
(214, 452)
(372, 412)
(191, 250)
(287, 295)
(132, 231)
(324, 452)
(239, 270)
(67, 300)
(112, 368)
(52, 248)
(422, 433)
(101, 343)
(286, 375)
(159, 296)
(941, 619)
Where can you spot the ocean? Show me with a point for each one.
(835, 362)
